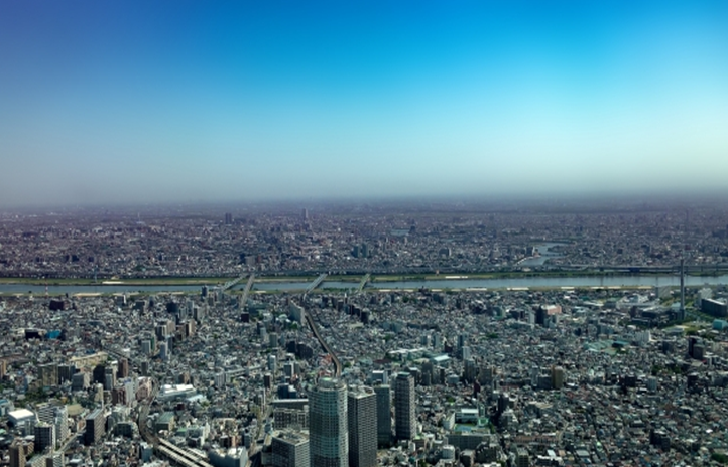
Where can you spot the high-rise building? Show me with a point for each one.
(17, 455)
(109, 378)
(45, 436)
(522, 459)
(290, 449)
(329, 424)
(558, 375)
(228, 218)
(123, 368)
(65, 373)
(80, 381)
(45, 412)
(48, 374)
(60, 421)
(362, 414)
(163, 351)
(99, 373)
(384, 414)
(404, 406)
(95, 427)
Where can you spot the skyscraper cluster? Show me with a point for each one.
(347, 425)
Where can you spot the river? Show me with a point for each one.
(456, 283)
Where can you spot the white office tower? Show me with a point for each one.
(384, 414)
(329, 424)
(60, 422)
(362, 408)
(404, 406)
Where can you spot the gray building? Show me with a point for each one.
(95, 427)
(404, 406)
(45, 437)
(716, 308)
(290, 449)
(384, 414)
(362, 408)
(80, 381)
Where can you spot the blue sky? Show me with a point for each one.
(126, 102)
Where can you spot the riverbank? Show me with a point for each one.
(353, 279)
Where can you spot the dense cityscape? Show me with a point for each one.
(363, 234)
(354, 335)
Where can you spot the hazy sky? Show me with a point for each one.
(123, 101)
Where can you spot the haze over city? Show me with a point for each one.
(132, 102)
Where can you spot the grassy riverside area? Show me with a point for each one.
(509, 275)
(116, 281)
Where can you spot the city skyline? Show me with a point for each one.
(138, 103)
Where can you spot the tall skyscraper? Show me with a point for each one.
(362, 408)
(404, 406)
(328, 424)
(384, 414)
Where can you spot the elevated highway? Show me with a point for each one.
(319, 280)
(364, 281)
(314, 328)
(143, 418)
(163, 448)
(230, 284)
(180, 456)
(248, 287)
(311, 320)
